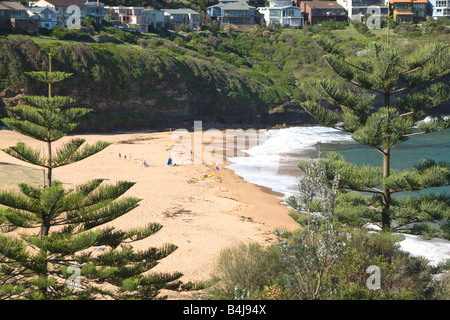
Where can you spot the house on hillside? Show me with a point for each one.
(358, 8)
(317, 11)
(282, 12)
(408, 10)
(184, 16)
(439, 9)
(155, 18)
(133, 17)
(13, 14)
(95, 10)
(237, 12)
(62, 8)
(48, 17)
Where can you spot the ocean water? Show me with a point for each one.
(272, 163)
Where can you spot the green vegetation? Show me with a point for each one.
(260, 69)
(53, 242)
(408, 87)
(324, 260)
(270, 69)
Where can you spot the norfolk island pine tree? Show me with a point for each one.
(415, 82)
(66, 224)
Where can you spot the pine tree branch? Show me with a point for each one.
(411, 70)
(373, 208)
(371, 190)
(423, 132)
(416, 189)
(400, 90)
(415, 111)
(361, 86)
(379, 149)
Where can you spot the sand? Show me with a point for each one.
(201, 216)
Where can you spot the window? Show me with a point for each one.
(402, 6)
(441, 3)
(274, 12)
(403, 19)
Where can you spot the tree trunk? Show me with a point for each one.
(49, 172)
(386, 198)
(49, 143)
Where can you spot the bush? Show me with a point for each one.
(442, 287)
(245, 270)
(63, 33)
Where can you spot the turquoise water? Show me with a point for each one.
(404, 155)
(285, 148)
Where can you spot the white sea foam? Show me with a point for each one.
(435, 250)
(263, 163)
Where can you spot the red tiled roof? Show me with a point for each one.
(323, 4)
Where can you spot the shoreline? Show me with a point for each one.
(200, 216)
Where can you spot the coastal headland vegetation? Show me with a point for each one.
(170, 78)
(230, 76)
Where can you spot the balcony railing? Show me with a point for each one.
(366, 3)
(238, 15)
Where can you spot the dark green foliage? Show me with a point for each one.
(61, 240)
(362, 28)
(382, 71)
(325, 260)
(14, 52)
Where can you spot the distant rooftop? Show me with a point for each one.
(234, 5)
(180, 11)
(408, 1)
(11, 5)
(63, 3)
(323, 4)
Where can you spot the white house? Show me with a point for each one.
(155, 18)
(186, 16)
(282, 12)
(131, 16)
(237, 12)
(48, 17)
(62, 9)
(439, 9)
(357, 8)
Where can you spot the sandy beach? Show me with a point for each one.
(199, 215)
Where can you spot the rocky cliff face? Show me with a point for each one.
(175, 106)
(137, 92)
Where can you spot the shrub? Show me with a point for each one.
(245, 270)
(442, 287)
(143, 42)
